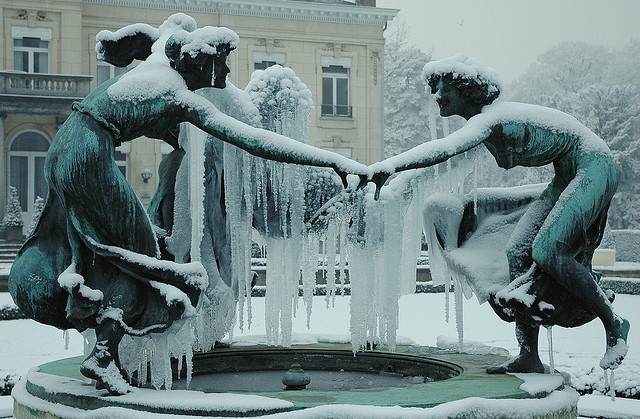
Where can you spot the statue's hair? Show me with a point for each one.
(479, 83)
(194, 47)
(135, 41)
(130, 43)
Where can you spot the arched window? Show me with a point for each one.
(27, 153)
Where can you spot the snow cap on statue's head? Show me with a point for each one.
(461, 67)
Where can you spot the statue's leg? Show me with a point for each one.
(563, 235)
(125, 302)
(521, 240)
(101, 364)
(528, 360)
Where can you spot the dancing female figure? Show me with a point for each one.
(557, 235)
(94, 260)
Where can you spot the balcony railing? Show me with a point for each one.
(42, 84)
(338, 111)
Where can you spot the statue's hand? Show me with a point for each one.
(379, 179)
(380, 175)
(362, 182)
(343, 176)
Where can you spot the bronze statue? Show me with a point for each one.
(93, 260)
(549, 252)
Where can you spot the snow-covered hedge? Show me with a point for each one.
(7, 383)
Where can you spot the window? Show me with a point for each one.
(106, 71)
(120, 155)
(27, 154)
(31, 49)
(263, 65)
(262, 60)
(335, 87)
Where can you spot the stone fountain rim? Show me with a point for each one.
(471, 382)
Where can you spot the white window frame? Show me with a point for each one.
(336, 109)
(264, 59)
(43, 34)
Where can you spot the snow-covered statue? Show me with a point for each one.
(526, 250)
(93, 261)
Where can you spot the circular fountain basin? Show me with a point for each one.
(247, 381)
(261, 370)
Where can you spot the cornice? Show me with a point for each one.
(275, 9)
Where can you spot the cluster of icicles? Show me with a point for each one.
(373, 243)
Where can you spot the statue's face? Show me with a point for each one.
(450, 99)
(220, 70)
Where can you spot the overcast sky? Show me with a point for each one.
(509, 34)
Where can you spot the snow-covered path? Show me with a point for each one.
(25, 343)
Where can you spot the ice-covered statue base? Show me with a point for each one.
(416, 381)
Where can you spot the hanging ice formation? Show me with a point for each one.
(376, 242)
(284, 103)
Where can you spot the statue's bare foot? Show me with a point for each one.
(522, 364)
(616, 346)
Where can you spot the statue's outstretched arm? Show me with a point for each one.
(270, 145)
(435, 151)
(429, 153)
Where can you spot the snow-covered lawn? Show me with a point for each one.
(25, 343)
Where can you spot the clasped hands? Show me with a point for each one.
(378, 173)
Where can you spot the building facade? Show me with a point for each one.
(48, 60)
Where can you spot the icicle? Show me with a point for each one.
(309, 269)
(459, 314)
(552, 367)
(447, 285)
(342, 267)
(196, 156)
(475, 185)
(65, 336)
(612, 389)
(330, 263)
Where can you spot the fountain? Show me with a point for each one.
(165, 341)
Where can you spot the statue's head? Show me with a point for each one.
(473, 83)
(201, 56)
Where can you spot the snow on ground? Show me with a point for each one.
(25, 343)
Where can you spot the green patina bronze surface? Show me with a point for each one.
(550, 250)
(94, 259)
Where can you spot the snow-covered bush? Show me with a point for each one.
(7, 383)
(38, 206)
(13, 215)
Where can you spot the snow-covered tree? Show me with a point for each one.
(283, 100)
(559, 74)
(406, 103)
(285, 104)
(13, 215)
(38, 206)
